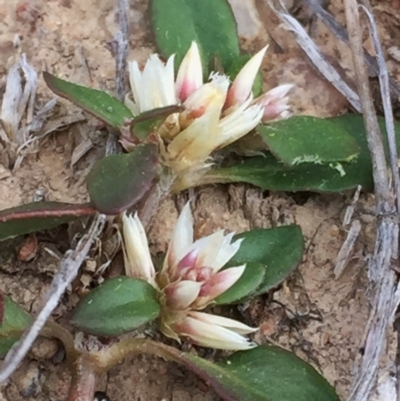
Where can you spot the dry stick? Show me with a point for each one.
(69, 267)
(84, 377)
(121, 47)
(384, 83)
(387, 106)
(340, 32)
(83, 381)
(121, 40)
(315, 55)
(381, 275)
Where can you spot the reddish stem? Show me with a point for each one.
(83, 380)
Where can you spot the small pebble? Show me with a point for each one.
(101, 396)
(28, 381)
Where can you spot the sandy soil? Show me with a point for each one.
(318, 317)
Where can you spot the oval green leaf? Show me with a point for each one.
(13, 321)
(117, 306)
(117, 182)
(279, 250)
(247, 285)
(265, 373)
(98, 103)
(37, 216)
(305, 139)
(176, 23)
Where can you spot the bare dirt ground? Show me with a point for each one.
(318, 317)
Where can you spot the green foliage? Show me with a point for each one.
(176, 23)
(117, 182)
(270, 255)
(102, 105)
(117, 306)
(13, 321)
(39, 216)
(265, 373)
(269, 173)
(304, 139)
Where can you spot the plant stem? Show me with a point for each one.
(107, 358)
(83, 379)
(55, 330)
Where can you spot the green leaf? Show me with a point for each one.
(176, 23)
(305, 139)
(279, 250)
(117, 306)
(39, 216)
(102, 105)
(268, 173)
(13, 321)
(265, 373)
(251, 279)
(117, 182)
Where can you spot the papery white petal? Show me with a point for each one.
(239, 123)
(275, 102)
(211, 95)
(208, 248)
(217, 285)
(242, 86)
(226, 252)
(135, 80)
(132, 106)
(213, 335)
(192, 147)
(231, 324)
(190, 73)
(137, 256)
(180, 295)
(154, 87)
(182, 239)
(279, 92)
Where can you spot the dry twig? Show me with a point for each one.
(69, 267)
(382, 278)
(315, 55)
(121, 48)
(340, 32)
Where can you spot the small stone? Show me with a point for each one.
(28, 381)
(44, 348)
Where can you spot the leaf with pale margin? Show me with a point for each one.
(305, 139)
(117, 306)
(268, 173)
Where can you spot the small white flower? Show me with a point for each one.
(191, 279)
(216, 113)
